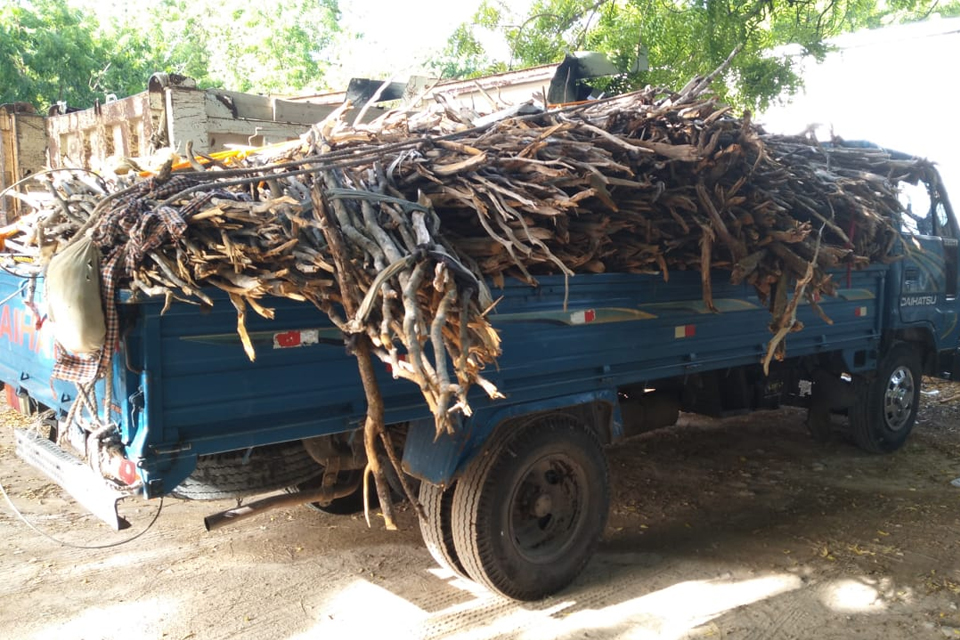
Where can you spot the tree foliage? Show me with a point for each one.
(247, 46)
(682, 38)
(53, 50)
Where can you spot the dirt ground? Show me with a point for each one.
(742, 528)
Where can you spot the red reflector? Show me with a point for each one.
(127, 472)
(583, 317)
(286, 340)
(11, 395)
(22, 405)
(685, 331)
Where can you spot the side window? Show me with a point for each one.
(942, 219)
(917, 218)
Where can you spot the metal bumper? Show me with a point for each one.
(79, 480)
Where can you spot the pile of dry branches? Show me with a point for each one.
(395, 230)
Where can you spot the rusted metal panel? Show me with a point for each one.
(169, 114)
(238, 106)
(31, 143)
(6, 154)
(186, 116)
(22, 152)
(300, 112)
(92, 137)
(242, 119)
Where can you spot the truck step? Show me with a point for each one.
(76, 478)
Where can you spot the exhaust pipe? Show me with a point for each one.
(224, 518)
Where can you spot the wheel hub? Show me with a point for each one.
(543, 505)
(548, 507)
(898, 398)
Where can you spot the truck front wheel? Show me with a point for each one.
(528, 515)
(885, 409)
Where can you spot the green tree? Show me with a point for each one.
(250, 46)
(53, 50)
(682, 38)
(50, 52)
(464, 56)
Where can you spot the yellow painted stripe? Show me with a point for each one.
(574, 316)
(854, 295)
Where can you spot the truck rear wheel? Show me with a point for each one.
(885, 409)
(437, 527)
(528, 515)
(246, 472)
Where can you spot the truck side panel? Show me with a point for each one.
(617, 330)
(672, 337)
(189, 388)
(26, 352)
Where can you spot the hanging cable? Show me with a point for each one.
(64, 543)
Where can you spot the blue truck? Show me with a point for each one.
(516, 499)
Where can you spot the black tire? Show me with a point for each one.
(886, 405)
(345, 506)
(393, 479)
(528, 515)
(437, 528)
(827, 390)
(234, 474)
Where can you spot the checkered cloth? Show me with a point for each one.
(125, 234)
(86, 369)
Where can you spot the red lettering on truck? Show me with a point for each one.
(17, 326)
(25, 327)
(6, 330)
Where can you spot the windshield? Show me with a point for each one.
(925, 211)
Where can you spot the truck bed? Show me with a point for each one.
(184, 386)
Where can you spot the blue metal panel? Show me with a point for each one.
(193, 391)
(26, 353)
(441, 458)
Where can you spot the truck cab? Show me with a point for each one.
(926, 306)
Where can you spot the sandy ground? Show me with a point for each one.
(742, 528)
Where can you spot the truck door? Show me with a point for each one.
(928, 290)
(947, 223)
